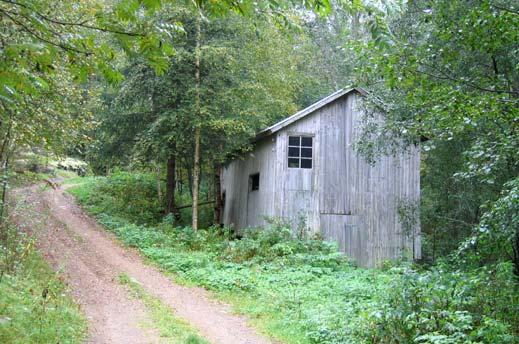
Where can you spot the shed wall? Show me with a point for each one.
(243, 207)
(342, 196)
(358, 202)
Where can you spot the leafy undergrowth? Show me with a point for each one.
(304, 291)
(34, 307)
(132, 196)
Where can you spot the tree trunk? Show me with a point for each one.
(189, 171)
(515, 249)
(217, 195)
(3, 196)
(196, 167)
(171, 183)
(4, 162)
(355, 25)
(159, 188)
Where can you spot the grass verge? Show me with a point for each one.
(34, 304)
(34, 307)
(174, 329)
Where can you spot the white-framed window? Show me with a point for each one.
(300, 151)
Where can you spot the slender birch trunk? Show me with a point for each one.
(4, 161)
(196, 167)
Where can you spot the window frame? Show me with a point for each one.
(291, 158)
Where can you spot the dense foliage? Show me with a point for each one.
(135, 197)
(301, 290)
(170, 90)
(446, 75)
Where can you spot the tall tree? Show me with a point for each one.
(198, 114)
(447, 72)
(246, 81)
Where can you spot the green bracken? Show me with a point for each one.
(301, 290)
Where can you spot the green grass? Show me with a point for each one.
(78, 180)
(170, 327)
(27, 178)
(65, 174)
(296, 298)
(304, 292)
(34, 306)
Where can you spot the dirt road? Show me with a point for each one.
(91, 261)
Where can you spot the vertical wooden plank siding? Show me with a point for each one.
(344, 197)
(245, 208)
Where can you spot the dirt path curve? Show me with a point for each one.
(91, 261)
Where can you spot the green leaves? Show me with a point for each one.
(496, 237)
(77, 36)
(449, 79)
(246, 84)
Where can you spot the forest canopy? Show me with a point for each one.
(157, 96)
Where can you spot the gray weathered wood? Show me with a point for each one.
(342, 196)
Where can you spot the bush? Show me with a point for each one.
(496, 238)
(275, 241)
(132, 196)
(445, 306)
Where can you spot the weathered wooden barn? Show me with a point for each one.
(306, 166)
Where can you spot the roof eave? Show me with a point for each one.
(305, 112)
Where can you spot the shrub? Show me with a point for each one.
(445, 306)
(496, 238)
(275, 241)
(132, 196)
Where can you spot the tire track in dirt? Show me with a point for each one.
(113, 315)
(92, 260)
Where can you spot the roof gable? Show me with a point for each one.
(307, 111)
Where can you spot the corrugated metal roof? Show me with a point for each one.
(307, 111)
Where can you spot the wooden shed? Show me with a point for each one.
(305, 166)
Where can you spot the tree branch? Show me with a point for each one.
(43, 39)
(445, 76)
(509, 10)
(77, 24)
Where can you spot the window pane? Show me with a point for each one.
(306, 163)
(255, 181)
(293, 140)
(293, 162)
(293, 152)
(306, 141)
(306, 152)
